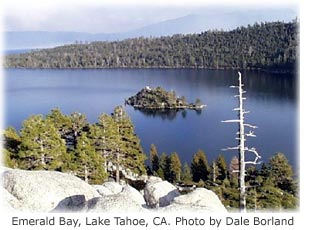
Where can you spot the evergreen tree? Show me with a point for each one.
(222, 168)
(186, 174)
(77, 124)
(264, 171)
(41, 145)
(130, 149)
(154, 159)
(11, 145)
(199, 167)
(60, 121)
(281, 173)
(165, 166)
(176, 167)
(251, 176)
(160, 173)
(87, 163)
(105, 138)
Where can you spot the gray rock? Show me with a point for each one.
(76, 203)
(159, 193)
(113, 187)
(134, 194)
(121, 202)
(43, 191)
(4, 169)
(103, 191)
(200, 200)
(9, 202)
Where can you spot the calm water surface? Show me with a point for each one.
(271, 98)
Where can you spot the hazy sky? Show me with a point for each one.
(105, 16)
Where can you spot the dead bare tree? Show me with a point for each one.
(241, 136)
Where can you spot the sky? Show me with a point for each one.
(108, 16)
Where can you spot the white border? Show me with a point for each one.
(302, 214)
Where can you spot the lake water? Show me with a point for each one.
(271, 98)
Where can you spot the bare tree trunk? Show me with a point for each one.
(117, 167)
(241, 147)
(85, 173)
(42, 153)
(241, 150)
(214, 176)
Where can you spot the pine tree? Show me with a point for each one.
(60, 121)
(11, 145)
(130, 149)
(154, 159)
(77, 123)
(88, 164)
(186, 174)
(41, 145)
(176, 167)
(105, 138)
(160, 173)
(165, 166)
(281, 173)
(199, 167)
(222, 168)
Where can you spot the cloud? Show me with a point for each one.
(91, 15)
(83, 18)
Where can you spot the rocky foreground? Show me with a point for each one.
(49, 191)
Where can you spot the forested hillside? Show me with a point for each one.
(268, 46)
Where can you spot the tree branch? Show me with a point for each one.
(231, 121)
(251, 126)
(230, 148)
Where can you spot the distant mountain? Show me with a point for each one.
(213, 20)
(193, 23)
(41, 39)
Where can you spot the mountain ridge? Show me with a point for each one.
(187, 24)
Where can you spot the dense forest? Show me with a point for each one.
(68, 143)
(269, 46)
(272, 186)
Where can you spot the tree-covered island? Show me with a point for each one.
(159, 98)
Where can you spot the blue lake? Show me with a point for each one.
(271, 98)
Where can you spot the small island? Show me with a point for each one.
(160, 99)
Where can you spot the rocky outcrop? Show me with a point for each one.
(201, 200)
(9, 202)
(159, 193)
(108, 188)
(47, 191)
(43, 191)
(103, 191)
(113, 187)
(128, 200)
